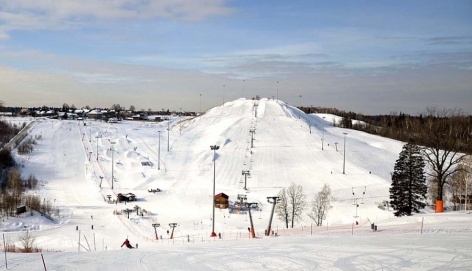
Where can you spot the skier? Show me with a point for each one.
(126, 242)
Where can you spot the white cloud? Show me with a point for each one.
(61, 14)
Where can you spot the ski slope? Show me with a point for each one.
(74, 163)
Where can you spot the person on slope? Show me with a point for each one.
(127, 244)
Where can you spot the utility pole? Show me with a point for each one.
(322, 141)
(277, 91)
(159, 153)
(168, 131)
(214, 148)
(274, 201)
(180, 121)
(223, 95)
(344, 155)
(112, 164)
(97, 137)
(245, 173)
(249, 205)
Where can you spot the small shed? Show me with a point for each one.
(126, 197)
(221, 201)
(20, 210)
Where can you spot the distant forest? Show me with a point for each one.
(422, 130)
(427, 129)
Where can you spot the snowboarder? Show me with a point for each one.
(127, 244)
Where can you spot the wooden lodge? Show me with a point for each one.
(221, 201)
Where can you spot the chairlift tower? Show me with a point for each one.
(274, 201)
(256, 105)
(249, 206)
(252, 131)
(172, 225)
(127, 210)
(242, 198)
(245, 173)
(155, 225)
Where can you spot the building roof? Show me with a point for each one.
(221, 195)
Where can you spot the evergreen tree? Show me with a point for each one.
(408, 190)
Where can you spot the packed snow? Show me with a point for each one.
(73, 161)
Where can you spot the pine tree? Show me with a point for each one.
(408, 190)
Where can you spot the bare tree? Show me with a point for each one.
(116, 107)
(27, 241)
(15, 184)
(458, 186)
(33, 202)
(432, 184)
(65, 107)
(282, 208)
(320, 204)
(445, 146)
(297, 201)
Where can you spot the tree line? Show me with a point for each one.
(14, 188)
(408, 128)
(445, 137)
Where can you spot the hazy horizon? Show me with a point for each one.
(369, 57)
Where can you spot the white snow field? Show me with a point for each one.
(283, 151)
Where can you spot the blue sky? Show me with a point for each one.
(370, 57)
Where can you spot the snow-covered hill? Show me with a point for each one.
(73, 160)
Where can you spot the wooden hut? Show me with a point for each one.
(221, 201)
